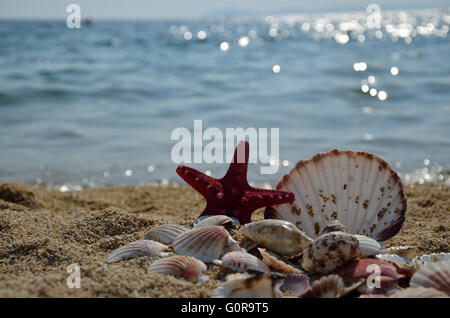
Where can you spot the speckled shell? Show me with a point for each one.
(241, 261)
(368, 246)
(329, 251)
(418, 292)
(274, 262)
(166, 233)
(135, 249)
(219, 220)
(207, 243)
(357, 188)
(187, 267)
(435, 275)
(403, 251)
(335, 226)
(246, 286)
(279, 236)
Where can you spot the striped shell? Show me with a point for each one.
(434, 275)
(219, 220)
(297, 284)
(187, 267)
(278, 265)
(418, 292)
(329, 251)
(279, 236)
(207, 243)
(367, 245)
(166, 233)
(357, 188)
(241, 261)
(135, 249)
(246, 286)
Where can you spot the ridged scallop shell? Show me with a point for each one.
(430, 258)
(187, 267)
(418, 292)
(403, 251)
(297, 284)
(434, 275)
(246, 286)
(396, 259)
(274, 262)
(357, 188)
(135, 249)
(206, 243)
(241, 261)
(166, 233)
(367, 245)
(329, 251)
(218, 220)
(277, 235)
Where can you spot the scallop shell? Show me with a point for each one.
(297, 284)
(246, 286)
(430, 258)
(331, 286)
(241, 261)
(329, 251)
(367, 245)
(403, 251)
(274, 262)
(219, 220)
(166, 233)
(187, 267)
(357, 188)
(434, 275)
(137, 248)
(396, 259)
(418, 292)
(206, 243)
(279, 236)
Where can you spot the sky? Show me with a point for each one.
(167, 9)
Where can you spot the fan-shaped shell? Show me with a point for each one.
(329, 251)
(187, 267)
(418, 292)
(241, 261)
(330, 286)
(396, 259)
(297, 284)
(430, 258)
(357, 188)
(246, 286)
(277, 264)
(135, 249)
(435, 275)
(367, 245)
(206, 243)
(166, 233)
(218, 220)
(277, 235)
(403, 251)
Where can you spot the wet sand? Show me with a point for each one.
(43, 231)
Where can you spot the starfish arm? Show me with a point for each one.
(207, 186)
(258, 198)
(239, 165)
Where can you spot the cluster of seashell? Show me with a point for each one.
(327, 243)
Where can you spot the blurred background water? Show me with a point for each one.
(97, 105)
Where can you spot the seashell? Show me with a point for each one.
(137, 248)
(246, 286)
(403, 251)
(273, 261)
(297, 284)
(367, 245)
(396, 259)
(331, 286)
(205, 243)
(166, 233)
(357, 188)
(329, 251)
(279, 236)
(218, 220)
(241, 261)
(430, 258)
(187, 267)
(418, 292)
(335, 226)
(435, 275)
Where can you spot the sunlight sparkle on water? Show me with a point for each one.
(224, 46)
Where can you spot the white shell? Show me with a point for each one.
(359, 189)
(367, 245)
(135, 249)
(181, 266)
(396, 259)
(219, 220)
(278, 265)
(246, 286)
(403, 251)
(430, 258)
(166, 233)
(329, 251)
(241, 261)
(418, 292)
(277, 235)
(435, 275)
(206, 243)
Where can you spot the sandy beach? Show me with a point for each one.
(44, 231)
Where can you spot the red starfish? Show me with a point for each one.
(232, 195)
